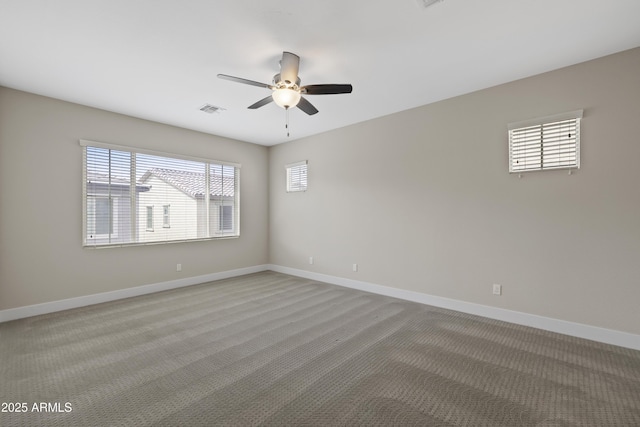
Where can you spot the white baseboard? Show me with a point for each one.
(594, 333)
(66, 304)
(609, 336)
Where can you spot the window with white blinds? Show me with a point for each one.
(139, 197)
(551, 142)
(296, 176)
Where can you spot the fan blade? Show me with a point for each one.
(289, 65)
(245, 81)
(262, 102)
(326, 89)
(307, 107)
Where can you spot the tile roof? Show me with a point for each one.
(192, 183)
(103, 178)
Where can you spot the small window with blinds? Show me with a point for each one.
(551, 142)
(297, 176)
(139, 197)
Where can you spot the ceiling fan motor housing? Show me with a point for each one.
(277, 81)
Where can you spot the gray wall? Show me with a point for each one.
(422, 200)
(41, 254)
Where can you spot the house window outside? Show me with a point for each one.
(200, 198)
(166, 219)
(551, 142)
(296, 176)
(149, 218)
(225, 218)
(102, 218)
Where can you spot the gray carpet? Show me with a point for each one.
(271, 349)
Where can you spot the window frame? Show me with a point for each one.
(528, 139)
(292, 172)
(210, 166)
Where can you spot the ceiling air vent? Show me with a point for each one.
(210, 109)
(426, 3)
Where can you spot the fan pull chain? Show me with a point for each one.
(286, 124)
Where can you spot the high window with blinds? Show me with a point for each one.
(551, 142)
(139, 197)
(296, 176)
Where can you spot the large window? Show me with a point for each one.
(122, 188)
(551, 142)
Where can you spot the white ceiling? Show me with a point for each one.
(158, 59)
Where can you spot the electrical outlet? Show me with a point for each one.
(310, 260)
(178, 267)
(497, 289)
(355, 267)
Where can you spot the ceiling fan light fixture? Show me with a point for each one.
(286, 97)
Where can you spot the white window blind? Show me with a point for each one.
(551, 142)
(297, 176)
(138, 197)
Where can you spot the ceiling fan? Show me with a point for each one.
(286, 89)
